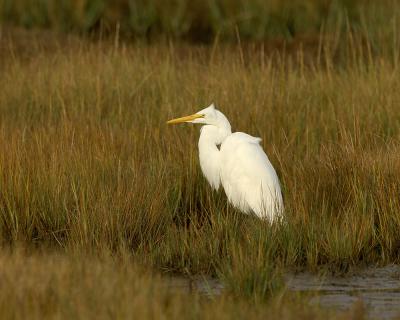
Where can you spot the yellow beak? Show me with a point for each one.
(185, 119)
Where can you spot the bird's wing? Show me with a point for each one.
(248, 177)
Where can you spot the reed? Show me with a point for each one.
(203, 20)
(87, 163)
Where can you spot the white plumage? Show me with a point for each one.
(240, 165)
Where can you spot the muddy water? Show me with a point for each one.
(377, 288)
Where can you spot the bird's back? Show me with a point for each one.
(248, 177)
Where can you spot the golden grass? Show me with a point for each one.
(87, 163)
(72, 286)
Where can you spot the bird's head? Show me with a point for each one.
(209, 115)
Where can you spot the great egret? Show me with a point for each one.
(239, 164)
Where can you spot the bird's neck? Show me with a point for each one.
(209, 154)
(216, 132)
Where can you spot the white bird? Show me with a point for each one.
(240, 165)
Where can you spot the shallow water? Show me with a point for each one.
(377, 288)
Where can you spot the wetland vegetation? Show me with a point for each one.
(97, 194)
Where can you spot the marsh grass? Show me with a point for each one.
(48, 285)
(204, 20)
(87, 163)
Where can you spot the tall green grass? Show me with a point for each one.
(202, 20)
(87, 163)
